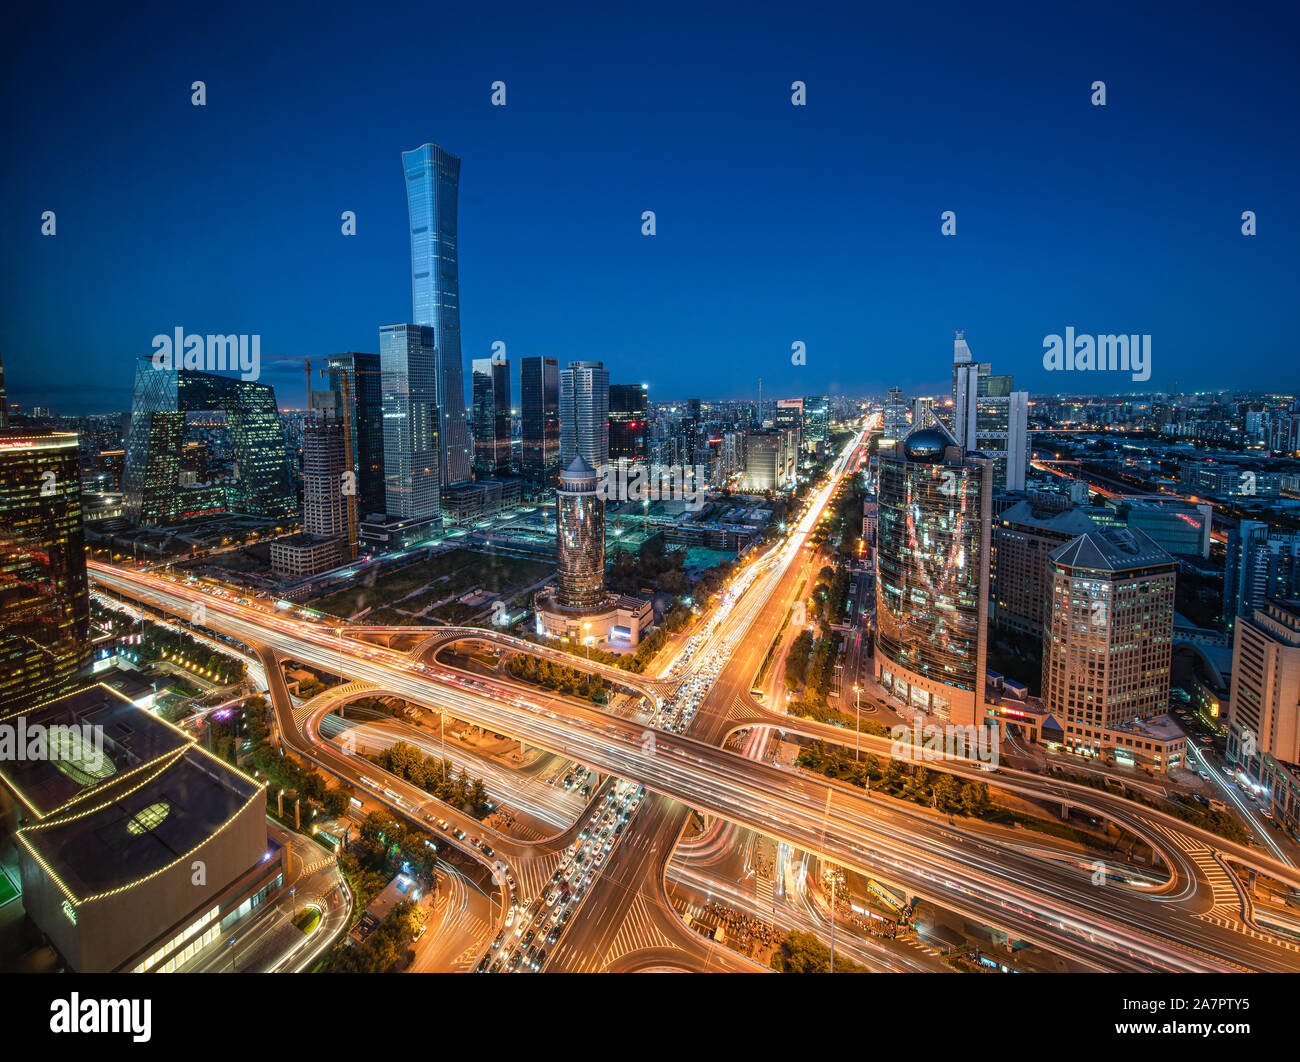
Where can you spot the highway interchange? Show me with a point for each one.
(1201, 920)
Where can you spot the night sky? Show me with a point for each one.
(776, 224)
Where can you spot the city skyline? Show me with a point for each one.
(770, 490)
(867, 282)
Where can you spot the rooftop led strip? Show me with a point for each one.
(261, 792)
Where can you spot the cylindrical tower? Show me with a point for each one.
(580, 534)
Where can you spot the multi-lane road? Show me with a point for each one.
(1032, 898)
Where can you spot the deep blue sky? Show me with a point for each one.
(775, 223)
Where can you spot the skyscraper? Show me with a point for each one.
(893, 419)
(491, 387)
(432, 184)
(628, 425)
(1264, 710)
(4, 401)
(44, 604)
(689, 432)
(362, 374)
(990, 417)
(934, 512)
(539, 386)
(1108, 637)
(789, 415)
(580, 536)
(584, 413)
(817, 419)
(155, 444)
(409, 383)
(1260, 562)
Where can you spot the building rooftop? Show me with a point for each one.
(1111, 549)
(127, 739)
(143, 829)
(1065, 521)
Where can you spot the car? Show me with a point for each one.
(444, 825)
(458, 834)
(482, 964)
(487, 851)
(539, 959)
(529, 937)
(496, 941)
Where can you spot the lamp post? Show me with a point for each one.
(857, 737)
(586, 638)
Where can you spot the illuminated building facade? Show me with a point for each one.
(934, 513)
(1108, 635)
(44, 602)
(155, 446)
(539, 408)
(432, 190)
(114, 830)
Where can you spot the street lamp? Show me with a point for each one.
(587, 638)
(857, 737)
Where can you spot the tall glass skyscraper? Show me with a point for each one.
(363, 376)
(539, 400)
(409, 382)
(432, 183)
(156, 438)
(584, 413)
(934, 511)
(44, 605)
(629, 428)
(491, 386)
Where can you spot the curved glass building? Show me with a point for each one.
(934, 511)
(580, 534)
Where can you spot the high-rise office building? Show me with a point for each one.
(817, 420)
(894, 427)
(409, 382)
(322, 542)
(324, 512)
(991, 417)
(934, 510)
(432, 184)
(768, 460)
(789, 415)
(539, 407)
(923, 415)
(4, 400)
(155, 444)
(44, 603)
(362, 375)
(491, 388)
(688, 432)
(1023, 537)
(1108, 635)
(1260, 562)
(1264, 708)
(629, 427)
(584, 413)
